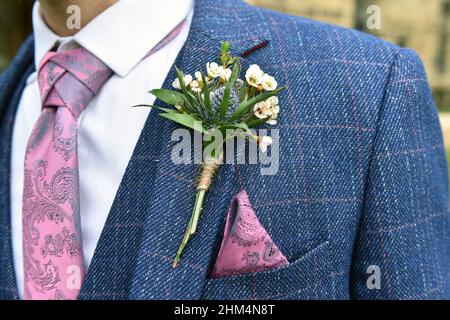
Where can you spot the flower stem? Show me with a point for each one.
(192, 226)
(207, 172)
(199, 199)
(185, 240)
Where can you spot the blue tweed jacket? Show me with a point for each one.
(362, 178)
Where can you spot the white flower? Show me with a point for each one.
(273, 120)
(187, 80)
(254, 76)
(264, 142)
(195, 86)
(269, 83)
(213, 69)
(225, 73)
(273, 103)
(262, 110)
(273, 100)
(199, 77)
(267, 109)
(176, 84)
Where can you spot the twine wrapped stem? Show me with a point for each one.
(207, 171)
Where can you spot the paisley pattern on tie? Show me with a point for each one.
(246, 246)
(52, 247)
(53, 255)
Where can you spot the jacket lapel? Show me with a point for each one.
(170, 189)
(12, 83)
(153, 204)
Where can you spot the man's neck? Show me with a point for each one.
(56, 15)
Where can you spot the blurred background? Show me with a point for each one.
(423, 25)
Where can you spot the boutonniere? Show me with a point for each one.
(219, 104)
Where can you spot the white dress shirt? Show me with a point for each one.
(109, 127)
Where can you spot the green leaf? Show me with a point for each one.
(186, 120)
(225, 55)
(256, 122)
(225, 103)
(245, 106)
(142, 105)
(187, 93)
(236, 71)
(159, 108)
(207, 94)
(225, 47)
(169, 96)
(240, 125)
(243, 91)
(167, 110)
(180, 76)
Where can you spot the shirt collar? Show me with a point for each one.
(120, 36)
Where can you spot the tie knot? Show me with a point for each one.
(71, 79)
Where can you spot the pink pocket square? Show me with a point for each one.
(246, 246)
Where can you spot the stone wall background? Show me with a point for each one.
(15, 26)
(423, 25)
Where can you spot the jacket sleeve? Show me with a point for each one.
(404, 227)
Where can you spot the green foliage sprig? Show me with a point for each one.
(218, 99)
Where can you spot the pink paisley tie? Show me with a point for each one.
(53, 255)
(246, 246)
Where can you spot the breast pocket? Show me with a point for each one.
(305, 278)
